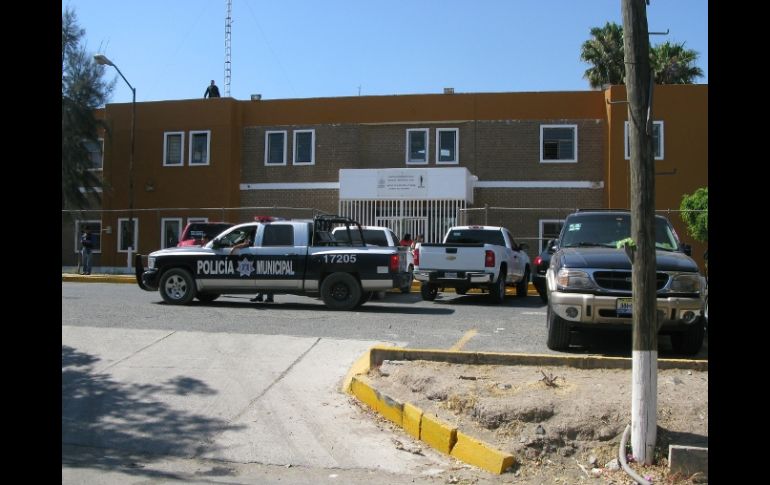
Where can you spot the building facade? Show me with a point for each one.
(415, 163)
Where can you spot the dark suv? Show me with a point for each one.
(589, 281)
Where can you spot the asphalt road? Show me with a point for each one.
(467, 322)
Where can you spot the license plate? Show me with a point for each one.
(450, 275)
(624, 307)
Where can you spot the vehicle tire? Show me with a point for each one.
(408, 287)
(207, 297)
(689, 341)
(365, 296)
(177, 287)
(558, 331)
(341, 291)
(497, 290)
(428, 291)
(522, 287)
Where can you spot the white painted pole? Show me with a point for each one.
(644, 404)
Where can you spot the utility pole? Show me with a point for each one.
(644, 400)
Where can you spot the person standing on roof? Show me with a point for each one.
(212, 91)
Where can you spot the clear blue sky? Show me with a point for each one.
(172, 49)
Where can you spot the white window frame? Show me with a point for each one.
(312, 148)
(120, 234)
(166, 162)
(208, 148)
(574, 143)
(541, 223)
(163, 222)
(190, 220)
(409, 132)
(78, 232)
(100, 140)
(457, 146)
(267, 147)
(661, 141)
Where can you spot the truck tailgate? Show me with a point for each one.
(465, 257)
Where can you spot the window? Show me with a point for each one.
(170, 228)
(447, 143)
(95, 228)
(124, 235)
(549, 229)
(558, 143)
(304, 147)
(173, 149)
(95, 153)
(200, 147)
(278, 235)
(417, 146)
(657, 140)
(275, 148)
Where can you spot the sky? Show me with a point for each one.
(172, 49)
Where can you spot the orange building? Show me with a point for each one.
(416, 163)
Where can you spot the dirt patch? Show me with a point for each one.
(562, 424)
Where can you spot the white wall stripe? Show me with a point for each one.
(489, 184)
(292, 186)
(538, 184)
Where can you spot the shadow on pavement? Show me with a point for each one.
(617, 343)
(107, 424)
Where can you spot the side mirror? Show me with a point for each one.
(686, 249)
(216, 244)
(552, 246)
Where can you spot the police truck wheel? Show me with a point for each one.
(177, 287)
(428, 291)
(341, 291)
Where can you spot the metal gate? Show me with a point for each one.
(429, 217)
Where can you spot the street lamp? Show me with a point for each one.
(101, 59)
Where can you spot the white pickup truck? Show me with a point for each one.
(484, 257)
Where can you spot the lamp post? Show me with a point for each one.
(101, 59)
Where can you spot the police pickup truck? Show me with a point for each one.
(589, 281)
(473, 257)
(290, 257)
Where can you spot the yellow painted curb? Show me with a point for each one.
(480, 454)
(98, 278)
(389, 408)
(360, 366)
(531, 290)
(437, 433)
(412, 420)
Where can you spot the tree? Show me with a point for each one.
(605, 52)
(82, 91)
(695, 213)
(671, 62)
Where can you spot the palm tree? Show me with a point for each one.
(605, 52)
(82, 91)
(673, 64)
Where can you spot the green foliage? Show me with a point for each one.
(82, 91)
(671, 63)
(695, 213)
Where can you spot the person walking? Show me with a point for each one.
(212, 91)
(86, 247)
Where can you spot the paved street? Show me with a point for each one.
(239, 392)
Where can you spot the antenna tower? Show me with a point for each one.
(228, 30)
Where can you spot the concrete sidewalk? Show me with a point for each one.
(155, 396)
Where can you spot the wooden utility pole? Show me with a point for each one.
(644, 400)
